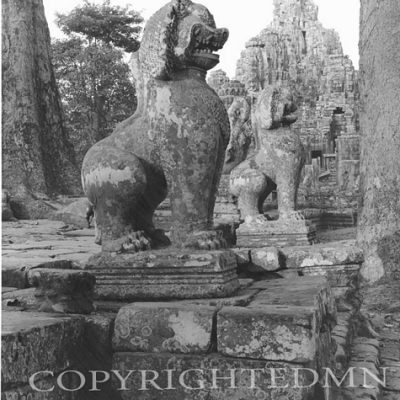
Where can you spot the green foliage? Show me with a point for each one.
(95, 84)
(110, 24)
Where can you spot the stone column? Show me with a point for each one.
(379, 220)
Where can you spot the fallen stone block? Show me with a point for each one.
(14, 272)
(64, 291)
(242, 256)
(267, 258)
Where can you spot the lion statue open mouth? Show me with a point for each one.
(174, 143)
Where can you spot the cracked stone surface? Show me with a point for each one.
(29, 244)
(164, 327)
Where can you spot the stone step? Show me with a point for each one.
(34, 342)
(211, 377)
(283, 324)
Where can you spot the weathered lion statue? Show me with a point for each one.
(174, 143)
(276, 162)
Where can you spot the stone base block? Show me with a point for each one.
(276, 233)
(164, 274)
(212, 377)
(285, 321)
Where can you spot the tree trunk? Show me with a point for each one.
(379, 221)
(37, 156)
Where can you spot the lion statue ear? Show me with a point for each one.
(156, 52)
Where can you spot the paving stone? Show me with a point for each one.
(164, 327)
(267, 258)
(42, 243)
(200, 373)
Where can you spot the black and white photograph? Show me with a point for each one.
(200, 200)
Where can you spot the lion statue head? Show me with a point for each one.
(181, 34)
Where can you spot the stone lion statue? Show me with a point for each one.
(174, 143)
(276, 162)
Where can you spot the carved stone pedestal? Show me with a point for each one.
(164, 274)
(276, 233)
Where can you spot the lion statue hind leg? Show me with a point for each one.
(124, 190)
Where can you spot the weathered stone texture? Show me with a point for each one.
(42, 244)
(203, 378)
(379, 220)
(267, 333)
(46, 343)
(164, 274)
(37, 157)
(164, 327)
(267, 258)
(281, 323)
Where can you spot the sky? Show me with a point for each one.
(244, 19)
